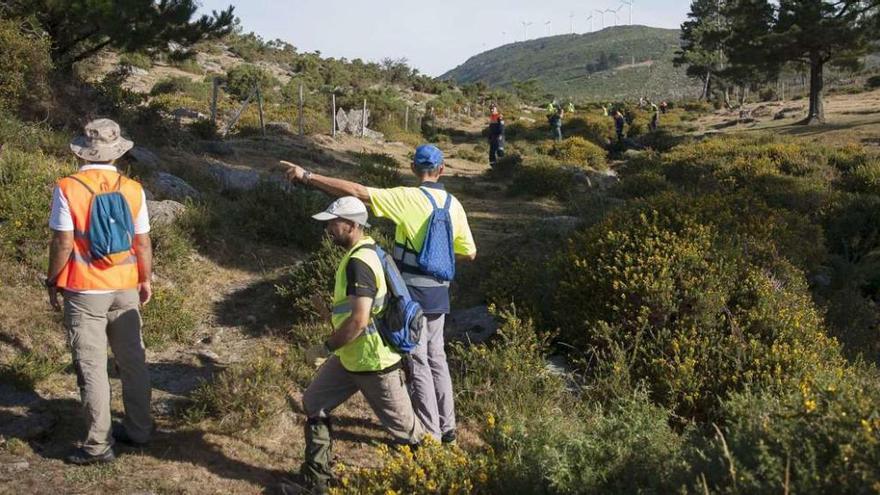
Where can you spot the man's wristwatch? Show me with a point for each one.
(307, 177)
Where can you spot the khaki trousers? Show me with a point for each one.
(431, 384)
(385, 392)
(92, 321)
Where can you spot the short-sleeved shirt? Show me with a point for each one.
(361, 279)
(61, 220)
(410, 210)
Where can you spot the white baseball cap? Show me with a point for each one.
(347, 207)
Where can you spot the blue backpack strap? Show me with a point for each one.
(434, 203)
(430, 198)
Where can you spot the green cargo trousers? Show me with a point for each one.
(385, 392)
(92, 321)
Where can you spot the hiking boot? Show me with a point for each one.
(82, 458)
(290, 487)
(121, 436)
(448, 438)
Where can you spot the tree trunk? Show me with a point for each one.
(707, 86)
(816, 114)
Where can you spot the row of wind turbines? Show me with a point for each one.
(595, 15)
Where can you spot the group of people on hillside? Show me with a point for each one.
(101, 263)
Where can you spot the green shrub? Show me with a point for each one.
(188, 65)
(580, 152)
(182, 85)
(313, 277)
(543, 177)
(378, 170)
(26, 183)
(627, 447)
(432, 468)
(661, 297)
(25, 65)
(865, 178)
(641, 185)
(139, 60)
(245, 395)
(507, 166)
(28, 368)
(168, 318)
(819, 436)
(242, 79)
(508, 376)
(873, 82)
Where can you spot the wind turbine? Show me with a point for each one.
(590, 18)
(615, 14)
(602, 13)
(571, 23)
(549, 25)
(526, 29)
(630, 3)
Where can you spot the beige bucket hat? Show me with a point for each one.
(102, 142)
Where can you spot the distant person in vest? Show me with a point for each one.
(357, 358)
(496, 135)
(619, 122)
(100, 260)
(411, 208)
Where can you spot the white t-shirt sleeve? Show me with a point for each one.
(142, 222)
(60, 218)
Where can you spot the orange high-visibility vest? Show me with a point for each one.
(82, 272)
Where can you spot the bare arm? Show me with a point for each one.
(330, 185)
(354, 325)
(143, 249)
(60, 249)
(465, 257)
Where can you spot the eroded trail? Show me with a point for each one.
(238, 318)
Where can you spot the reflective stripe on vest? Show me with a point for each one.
(82, 272)
(345, 307)
(368, 351)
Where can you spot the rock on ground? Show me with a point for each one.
(164, 212)
(474, 325)
(173, 187)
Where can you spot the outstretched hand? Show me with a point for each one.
(294, 172)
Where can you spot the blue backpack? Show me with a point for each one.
(400, 323)
(111, 227)
(437, 257)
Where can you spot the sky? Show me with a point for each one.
(433, 36)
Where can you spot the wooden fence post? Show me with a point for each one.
(333, 115)
(260, 108)
(364, 120)
(215, 84)
(238, 114)
(302, 129)
(406, 119)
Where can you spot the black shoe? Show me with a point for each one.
(121, 436)
(289, 486)
(448, 437)
(82, 458)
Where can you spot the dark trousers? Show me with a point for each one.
(495, 151)
(557, 133)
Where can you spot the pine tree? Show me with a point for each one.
(819, 32)
(81, 28)
(702, 42)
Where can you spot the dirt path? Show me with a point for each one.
(236, 301)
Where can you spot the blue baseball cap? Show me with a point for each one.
(428, 157)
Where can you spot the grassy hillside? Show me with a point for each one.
(561, 64)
